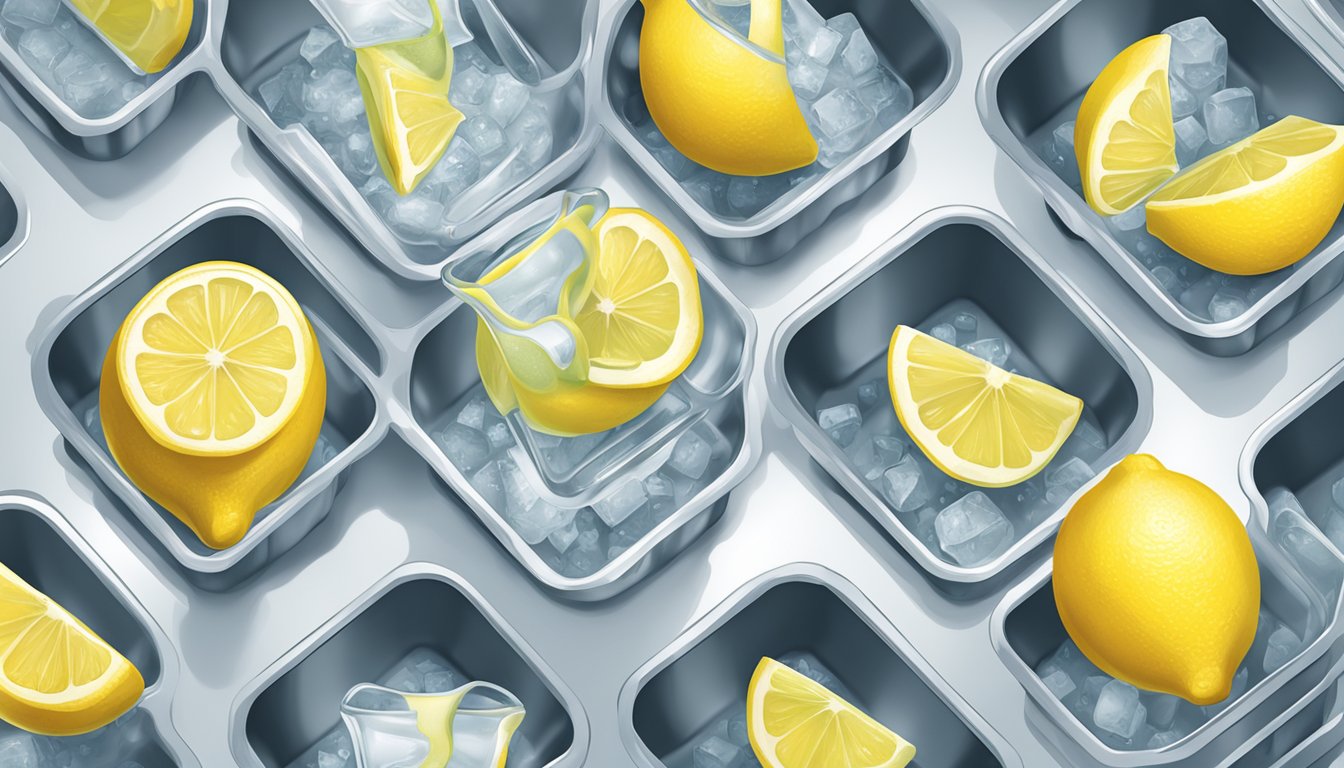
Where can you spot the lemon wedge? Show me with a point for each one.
(1123, 136)
(1259, 205)
(722, 101)
(212, 395)
(405, 86)
(795, 722)
(57, 677)
(976, 422)
(149, 32)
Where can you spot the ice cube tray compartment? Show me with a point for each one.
(68, 366)
(950, 258)
(1031, 85)
(671, 699)
(110, 136)
(909, 35)
(297, 701)
(12, 222)
(260, 36)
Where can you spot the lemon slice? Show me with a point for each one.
(149, 32)
(1259, 205)
(215, 359)
(57, 677)
(642, 321)
(976, 422)
(1123, 135)
(795, 722)
(405, 86)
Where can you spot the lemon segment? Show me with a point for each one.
(57, 677)
(212, 395)
(795, 722)
(720, 102)
(149, 32)
(411, 120)
(1156, 581)
(1124, 138)
(1259, 205)
(974, 421)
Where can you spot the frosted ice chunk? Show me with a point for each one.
(42, 48)
(532, 517)
(715, 752)
(1229, 115)
(585, 555)
(28, 14)
(887, 450)
(1283, 645)
(499, 435)
(1184, 102)
(808, 78)
(843, 120)
(1086, 442)
(841, 422)
(1198, 53)
(326, 91)
(889, 97)
(508, 96)
(316, 43)
(945, 333)
(19, 750)
(869, 391)
(859, 58)
(691, 455)
(470, 87)
(1118, 709)
(415, 215)
(531, 132)
(994, 351)
(822, 44)
(973, 530)
(1064, 159)
(562, 538)
(1226, 304)
(1166, 277)
(1059, 683)
(1062, 481)
(473, 414)
(1128, 221)
(1190, 139)
(490, 484)
(486, 137)
(904, 486)
(459, 168)
(621, 502)
(358, 156)
(749, 194)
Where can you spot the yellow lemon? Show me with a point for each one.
(57, 677)
(405, 86)
(722, 103)
(796, 722)
(1156, 581)
(1123, 136)
(149, 32)
(1259, 205)
(975, 421)
(642, 324)
(212, 395)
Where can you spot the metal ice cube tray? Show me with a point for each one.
(384, 547)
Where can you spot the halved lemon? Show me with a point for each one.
(796, 722)
(405, 86)
(1123, 136)
(149, 32)
(642, 320)
(215, 359)
(1259, 205)
(975, 421)
(57, 677)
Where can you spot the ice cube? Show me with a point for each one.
(1086, 442)
(1059, 683)
(1128, 221)
(808, 77)
(324, 92)
(887, 450)
(487, 138)
(1297, 537)
(1184, 102)
(531, 132)
(994, 351)
(822, 44)
(1065, 160)
(905, 487)
(945, 333)
(1167, 279)
(889, 97)
(1063, 480)
(1229, 115)
(28, 14)
(1284, 644)
(1190, 139)
(440, 681)
(415, 216)
(499, 435)
(470, 87)
(965, 322)
(841, 422)
(1226, 304)
(973, 530)
(534, 522)
(749, 194)
(691, 456)
(869, 392)
(715, 752)
(859, 58)
(42, 48)
(843, 120)
(1165, 738)
(473, 414)
(1196, 297)
(562, 538)
(131, 89)
(1198, 53)
(459, 168)
(1118, 709)
(508, 96)
(585, 556)
(621, 502)
(316, 42)
(19, 750)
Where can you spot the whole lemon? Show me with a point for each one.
(1156, 581)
